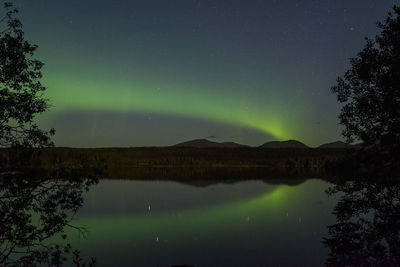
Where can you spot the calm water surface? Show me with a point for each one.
(252, 223)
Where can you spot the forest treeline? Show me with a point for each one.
(162, 162)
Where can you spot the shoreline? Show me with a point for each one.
(180, 163)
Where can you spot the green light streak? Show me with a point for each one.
(189, 102)
(223, 217)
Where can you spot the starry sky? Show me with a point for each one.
(158, 72)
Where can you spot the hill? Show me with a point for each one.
(284, 144)
(207, 143)
(337, 144)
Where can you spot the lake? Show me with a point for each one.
(243, 223)
(47, 220)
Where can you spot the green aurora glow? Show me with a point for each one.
(176, 100)
(262, 67)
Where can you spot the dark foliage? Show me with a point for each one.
(367, 231)
(21, 93)
(33, 210)
(182, 162)
(370, 89)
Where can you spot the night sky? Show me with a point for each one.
(144, 73)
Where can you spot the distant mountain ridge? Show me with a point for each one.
(208, 143)
(284, 144)
(205, 143)
(337, 144)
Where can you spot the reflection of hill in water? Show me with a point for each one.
(136, 196)
(205, 183)
(159, 196)
(212, 175)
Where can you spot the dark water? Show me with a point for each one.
(50, 221)
(166, 223)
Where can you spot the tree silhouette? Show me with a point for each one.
(35, 208)
(367, 231)
(370, 89)
(21, 93)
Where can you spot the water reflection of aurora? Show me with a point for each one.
(269, 219)
(258, 223)
(219, 214)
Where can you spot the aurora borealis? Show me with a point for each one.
(139, 73)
